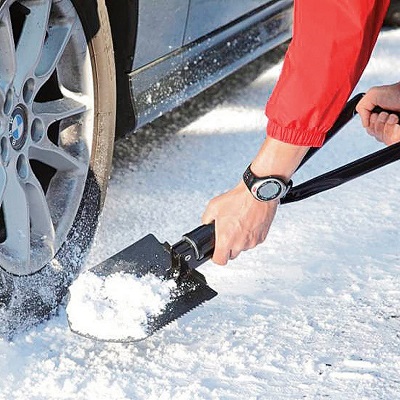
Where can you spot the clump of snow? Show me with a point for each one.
(116, 307)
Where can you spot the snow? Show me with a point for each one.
(118, 306)
(312, 313)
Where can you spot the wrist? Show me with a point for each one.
(278, 158)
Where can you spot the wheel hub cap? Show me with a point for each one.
(17, 127)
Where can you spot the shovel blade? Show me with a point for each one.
(145, 256)
(189, 294)
(149, 256)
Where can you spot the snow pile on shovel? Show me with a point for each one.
(116, 307)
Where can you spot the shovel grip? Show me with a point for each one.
(378, 110)
(202, 240)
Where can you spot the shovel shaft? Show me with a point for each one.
(346, 172)
(196, 247)
(348, 112)
(202, 239)
(378, 110)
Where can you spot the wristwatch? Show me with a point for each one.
(266, 188)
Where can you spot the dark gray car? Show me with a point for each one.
(70, 72)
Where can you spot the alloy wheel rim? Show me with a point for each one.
(46, 126)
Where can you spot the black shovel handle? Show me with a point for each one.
(346, 172)
(347, 114)
(200, 242)
(378, 110)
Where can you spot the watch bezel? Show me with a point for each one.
(254, 184)
(281, 188)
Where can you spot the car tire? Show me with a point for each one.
(57, 134)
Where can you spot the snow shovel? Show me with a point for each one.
(180, 261)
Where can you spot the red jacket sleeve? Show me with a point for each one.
(331, 45)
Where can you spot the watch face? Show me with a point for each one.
(269, 190)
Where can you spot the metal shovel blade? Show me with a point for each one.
(189, 294)
(146, 256)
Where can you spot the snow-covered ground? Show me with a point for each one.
(313, 313)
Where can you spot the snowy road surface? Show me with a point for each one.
(313, 313)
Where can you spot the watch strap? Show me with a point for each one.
(249, 178)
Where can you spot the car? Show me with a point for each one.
(74, 76)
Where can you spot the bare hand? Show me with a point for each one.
(241, 222)
(383, 126)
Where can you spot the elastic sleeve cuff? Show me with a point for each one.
(298, 137)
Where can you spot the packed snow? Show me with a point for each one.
(312, 313)
(117, 307)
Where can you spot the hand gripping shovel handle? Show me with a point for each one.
(347, 114)
(346, 172)
(198, 245)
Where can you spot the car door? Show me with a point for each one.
(207, 15)
(161, 28)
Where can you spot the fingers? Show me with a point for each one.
(210, 212)
(232, 238)
(380, 123)
(384, 127)
(391, 131)
(365, 113)
(229, 243)
(241, 222)
(222, 252)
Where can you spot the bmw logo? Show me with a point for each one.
(17, 128)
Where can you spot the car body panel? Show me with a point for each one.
(206, 16)
(160, 29)
(164, 84)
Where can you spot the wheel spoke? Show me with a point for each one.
(3, 182)
(30, 44)
(42, 228)
(16, 215)
(7, 51)
(58, 110)
(56, 157)
(53, 49)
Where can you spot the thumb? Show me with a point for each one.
(208, 215)
(364, 109)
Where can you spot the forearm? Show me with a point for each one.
(278, 158)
